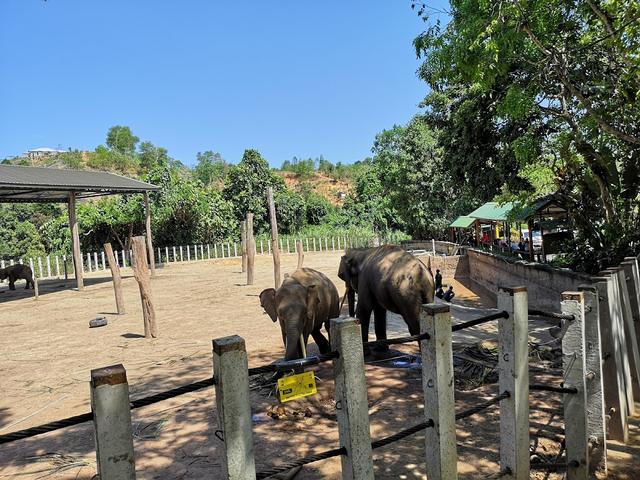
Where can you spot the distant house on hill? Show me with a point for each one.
(341, 195)
(42, 152)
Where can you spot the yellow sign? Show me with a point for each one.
(296, 386)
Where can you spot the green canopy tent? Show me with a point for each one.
(461, 223)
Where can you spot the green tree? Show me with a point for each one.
(151, 156)
(246, 187)
(557, 82)
(290, 207)
(210, 167)
(120, 139)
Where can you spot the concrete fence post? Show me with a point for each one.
(112, 423)
(333, 243)
(438, 388)
(261, 248)
(351, 399)
(188, 253)
(618, 324)
(573, 365)
(339, 243)
(124, 260)
(596, 423)
(631, 331)
(613, 377)
(632, 270)
(35, 274)
(95, 261)
(513, 369)
(288, 246)
(234, 410)
(57, 266)
(48, 266)
(215, 250)
(208, 252)
(307, 242)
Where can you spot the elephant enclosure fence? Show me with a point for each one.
(395, 398)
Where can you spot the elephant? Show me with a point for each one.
(305, 301)
(17, 272)
(386, 278)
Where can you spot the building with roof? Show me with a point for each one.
(42, 152)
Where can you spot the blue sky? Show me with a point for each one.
(288, 77)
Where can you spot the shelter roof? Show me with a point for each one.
(463, 222)
(20, 184)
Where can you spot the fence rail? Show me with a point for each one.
(61, 266)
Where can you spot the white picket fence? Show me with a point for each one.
(61, 266)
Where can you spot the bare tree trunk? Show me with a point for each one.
(117, 280)
(141, 273)
(243, 238)
(275, 248)
(300, 253)
(251, 249)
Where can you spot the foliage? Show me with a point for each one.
(552, 84)
(121, 140)
(210, 167)
(246, 188)
(290, 211)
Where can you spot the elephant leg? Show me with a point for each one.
(380, 325)
(12, 284)
(351, 301)
(363, 313)
(321, 341)
(411, 316)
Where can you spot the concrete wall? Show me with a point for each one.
(451, 267)
(544, 283)
(444, 248)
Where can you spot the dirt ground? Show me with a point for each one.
(48, 352)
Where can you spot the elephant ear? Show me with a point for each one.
(268, 302)
(313, 301)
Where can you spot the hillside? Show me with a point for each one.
(331, 189)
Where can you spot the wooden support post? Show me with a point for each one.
(438, 389)
(141, 273)
(513, 368)
(243, 240)
(300, 254)
(147, 225)
(630, 331)
(117, 280)
(573, 365)
(274, 237)
(615, 399)
(112, 423)
(351, 396)
(596, 423)
(251, 257)
(234, 410)
(75, 242)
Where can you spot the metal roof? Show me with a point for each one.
(42, 185)
(492, 211)
(463, 222)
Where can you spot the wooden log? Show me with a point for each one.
(75, 242)
(243, 240)
(300, 253)
(251, 257)
(274, 237)
(141, 273)
(147, 223)
(117, 279)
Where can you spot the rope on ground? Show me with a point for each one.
(46, 428)
(542, 313)
(553, 467)
(401, 434)
(270, 472)
(550, 388)
(397, 341)
(478, 321)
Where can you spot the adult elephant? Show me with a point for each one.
(305, 301)
(386, 278)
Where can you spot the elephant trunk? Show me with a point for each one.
(293, 332)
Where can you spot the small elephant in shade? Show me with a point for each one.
(17, 272)
(386, 278)
(305, 301)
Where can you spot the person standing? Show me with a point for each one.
(438, 279)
